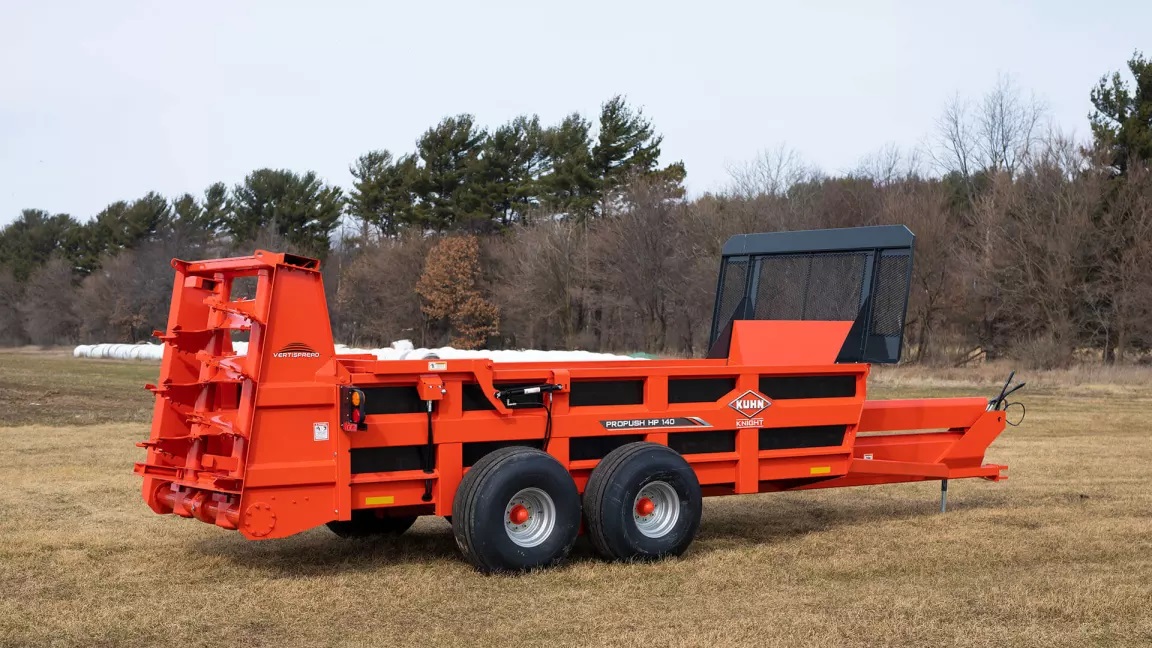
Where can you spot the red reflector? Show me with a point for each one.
(355, 416)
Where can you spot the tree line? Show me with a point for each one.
(1029, 244)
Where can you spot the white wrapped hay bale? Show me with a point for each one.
(119, 351)
(404, 350)
(399, 350)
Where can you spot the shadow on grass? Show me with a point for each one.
(319, 552)
(727, 525)
(766, 519)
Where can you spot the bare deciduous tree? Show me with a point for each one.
(377, 301)
(46, 307)
(771, 173)
(1008, 126)
(541, 284)
(922, 206)
(955, 149)
(11, 293)
(890, 165)
(639, 265)
(996, 134)
(1123, 288)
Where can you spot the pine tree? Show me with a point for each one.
(85, 244)
(301, 209)
(449, 153)
(124, 225)
(626, 144)
(1122, 121)
(382, 198)
(628, 149)
(191, 229)
(509, 169)
(120, 226)
(28, 242)
(569, 186)
(216, 206)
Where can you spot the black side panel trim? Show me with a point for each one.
(699, 390)
(392, 400)
(473, 399)
(817, 436)
(702, 442)
(582, 448)
(606, 392)
(474, 452)
(787, 387)
(389, 459)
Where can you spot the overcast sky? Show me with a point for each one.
(101, 101)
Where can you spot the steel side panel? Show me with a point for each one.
(785, 343)
(294, 473)
(921, 414)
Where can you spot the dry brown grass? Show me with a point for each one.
(53, 387)
(1060, 555)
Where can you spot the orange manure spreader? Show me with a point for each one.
(522, 456)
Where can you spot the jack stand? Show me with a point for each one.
(943, 495)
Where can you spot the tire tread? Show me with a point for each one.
(602, 477)
(465, 503)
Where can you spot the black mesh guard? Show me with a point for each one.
(860, 274)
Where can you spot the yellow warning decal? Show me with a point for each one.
(819, 470)
(383, 499)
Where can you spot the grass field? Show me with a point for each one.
(1059, 555)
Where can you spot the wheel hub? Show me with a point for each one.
(518, 515)
(656, 509)
(529, 517)
(645, 507)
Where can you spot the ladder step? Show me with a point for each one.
(232, 366)
(189, 341)
(243, 312)
(224, 421)
(188, 392)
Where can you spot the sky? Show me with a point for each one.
(103, 101)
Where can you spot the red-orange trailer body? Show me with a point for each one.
(256, 442)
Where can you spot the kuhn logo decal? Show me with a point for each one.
(750, 403)
(296, 350)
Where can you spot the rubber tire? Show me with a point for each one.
(366, 523)
(483, 495)
(612, 488)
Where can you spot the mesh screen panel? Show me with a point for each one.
(837, 281)
(859, 275)
(811, 286)
(732, 291)
(783, 283)
(890, 296)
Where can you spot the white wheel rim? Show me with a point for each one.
(656, 509)
(529, 517)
